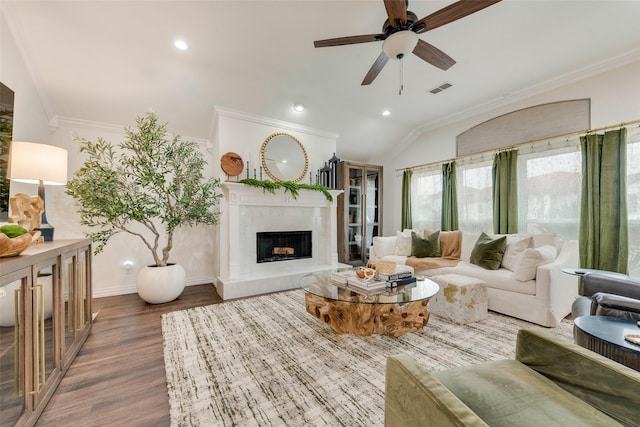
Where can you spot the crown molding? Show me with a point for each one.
(537, 89)
(505, 100)
(69, 122)
(234, 114)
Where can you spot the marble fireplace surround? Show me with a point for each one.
(248, 210)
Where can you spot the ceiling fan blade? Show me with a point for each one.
(396, 10)
(453, 12)
(340, 41)
(375, 69)
(433, 55)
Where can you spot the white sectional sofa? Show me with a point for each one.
(543, 295)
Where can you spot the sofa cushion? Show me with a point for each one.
(516, 244)
(422, 247)
(398, 259)
(508, 393)
(402, 243)
(414, 397)
(530, 259)
(603, 383)
(495, 279)
(487, 252)
(451, 244)
(543, 239)
(383, 246)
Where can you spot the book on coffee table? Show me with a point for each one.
(367, 292)
(366, 284)
(340, 277)
(400, 282)
(394, 277)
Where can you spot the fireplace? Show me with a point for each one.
(275, 246)
(249, 211)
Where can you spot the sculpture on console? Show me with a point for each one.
(26, 210)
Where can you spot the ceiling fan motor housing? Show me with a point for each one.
(390, 28)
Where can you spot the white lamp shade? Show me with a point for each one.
(31, 162)
(400, 43)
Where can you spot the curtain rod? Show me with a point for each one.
(566, 135)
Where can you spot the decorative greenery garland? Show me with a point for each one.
(289, 186)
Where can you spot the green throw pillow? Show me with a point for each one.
(422, 247)
(488, 252)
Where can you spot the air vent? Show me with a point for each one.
(440, 88)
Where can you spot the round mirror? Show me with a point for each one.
(284, 158)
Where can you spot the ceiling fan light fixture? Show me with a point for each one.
(400, 44)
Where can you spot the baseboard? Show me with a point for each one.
(131, 289)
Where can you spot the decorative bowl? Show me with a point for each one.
(14, 246)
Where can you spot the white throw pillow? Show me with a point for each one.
(383, 246)
(543, 239)
(403, 243)
(528, 262)
(515, 247)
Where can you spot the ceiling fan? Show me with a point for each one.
(400, 34)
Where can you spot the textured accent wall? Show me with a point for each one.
(526, 125)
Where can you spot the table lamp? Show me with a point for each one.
(41, 164)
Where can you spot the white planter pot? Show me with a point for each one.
(157, 285)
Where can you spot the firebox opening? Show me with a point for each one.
(283, 245)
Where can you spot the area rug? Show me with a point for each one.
(265, 361)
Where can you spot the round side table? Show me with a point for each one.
(605, 336)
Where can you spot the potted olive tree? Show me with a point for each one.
(148, 187)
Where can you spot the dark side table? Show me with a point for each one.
(605, 336)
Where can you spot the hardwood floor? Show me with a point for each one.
(118, 377)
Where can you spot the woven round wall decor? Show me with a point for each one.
(232, 164)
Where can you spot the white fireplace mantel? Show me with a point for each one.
(247, 210)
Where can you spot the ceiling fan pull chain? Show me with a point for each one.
(401, 82)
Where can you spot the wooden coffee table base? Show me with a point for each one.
(367, 319)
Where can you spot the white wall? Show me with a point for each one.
(29, 113)
(244, 134)
(615, 98)
(193, 248)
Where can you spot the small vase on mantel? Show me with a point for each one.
(157, 285)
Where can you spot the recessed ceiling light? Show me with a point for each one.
(386, 113)
(181, 44)
(298, 107)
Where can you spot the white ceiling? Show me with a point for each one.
(110, 61)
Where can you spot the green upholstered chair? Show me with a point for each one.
(551, 382)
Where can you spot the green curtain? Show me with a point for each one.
(449, 220)
(505, 192)
(603, 234)
(406, 200)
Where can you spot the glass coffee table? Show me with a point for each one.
(391, 311)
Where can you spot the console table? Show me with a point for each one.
(45, 318)
(605, 336)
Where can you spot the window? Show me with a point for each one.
(549, 193)
(549, 187)
(475, 197)
(426, 199)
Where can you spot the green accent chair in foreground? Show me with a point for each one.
(552, 382)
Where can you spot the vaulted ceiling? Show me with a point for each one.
(110, 61)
